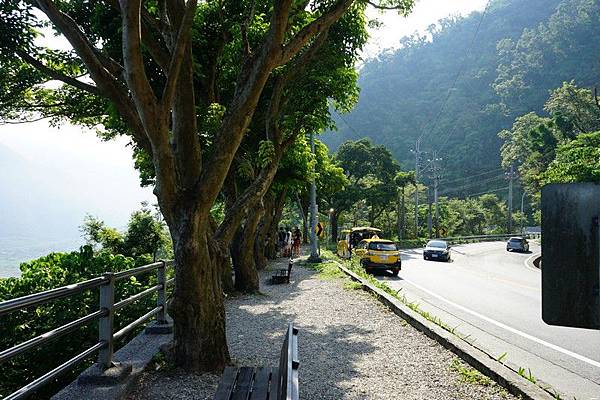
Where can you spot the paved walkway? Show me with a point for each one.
(350, 347)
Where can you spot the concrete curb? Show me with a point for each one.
(475, 357)
(136, 354)
(530, 262)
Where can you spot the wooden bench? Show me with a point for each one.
(264, 383)
(283, 275)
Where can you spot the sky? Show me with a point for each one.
(107, 181)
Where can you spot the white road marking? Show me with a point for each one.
(508, 328)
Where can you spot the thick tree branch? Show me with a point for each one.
(135, 73)
(298, 41)
(57, 75)
(107, 84)
(181, 43)
(380, 7)
(249, 198)
(149, 30)
(88, 53)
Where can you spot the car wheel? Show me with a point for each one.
(425, 258)
(395, 271)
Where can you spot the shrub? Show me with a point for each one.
(48, 272)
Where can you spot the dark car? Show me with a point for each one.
(517, 244)
(436, 250)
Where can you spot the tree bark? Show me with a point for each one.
(242, 254)
(263, 233)
(304, 211)
(197, 307)
(334, 226)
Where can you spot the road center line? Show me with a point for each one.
(508, 328)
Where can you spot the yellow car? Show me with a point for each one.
(379, 255)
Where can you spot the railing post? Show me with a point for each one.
(106, 324)
(161, 300)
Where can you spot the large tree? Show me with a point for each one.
(183, 79)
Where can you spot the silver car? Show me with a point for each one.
(517, 244)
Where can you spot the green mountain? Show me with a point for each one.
(468, 78)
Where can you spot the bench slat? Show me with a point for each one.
(226, 384)
(260, 389)
(279, 383)
(274, 384)
(244, 384)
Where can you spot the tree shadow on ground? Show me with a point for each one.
(328, 351)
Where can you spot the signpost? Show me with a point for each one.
(320, 230)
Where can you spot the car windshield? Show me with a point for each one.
(515, 239)
(382, 246)
(437, 244)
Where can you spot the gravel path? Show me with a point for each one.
(350, 346)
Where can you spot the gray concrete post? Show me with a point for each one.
(161, 299)
(106, 323)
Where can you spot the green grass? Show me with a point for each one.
(327, 269)
(470, 375)
(352, 285)
(527, 374)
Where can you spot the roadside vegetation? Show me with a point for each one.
(107, 250)
(219, 101)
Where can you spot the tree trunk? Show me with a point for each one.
(242, 254)
(304, 212)
(197, 307)
(263, 234)
(334, 226)
(222, 258)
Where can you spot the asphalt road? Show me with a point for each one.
(495, 298)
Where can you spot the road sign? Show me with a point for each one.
(320, 230)
(443, 232)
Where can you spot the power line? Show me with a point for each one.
(457, 77)
(464, 62)
(471, 184)
(486, 192)
(471, 176)
(347, 124)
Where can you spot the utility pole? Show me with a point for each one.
(510, 176)
(522, 204)
(435, 169)
(314, 251)
(417, 152)
(429, 224)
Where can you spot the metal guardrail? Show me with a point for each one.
(458, 239)
(105, 314)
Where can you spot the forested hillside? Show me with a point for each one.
(522, 50)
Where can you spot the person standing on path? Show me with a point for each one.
(288, 242)
(297, 239)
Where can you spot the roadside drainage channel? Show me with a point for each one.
(477, 358)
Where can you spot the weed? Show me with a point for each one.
(470, 375)
(502, 357)
(326, 269)
(351, 285)
(527, 374)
